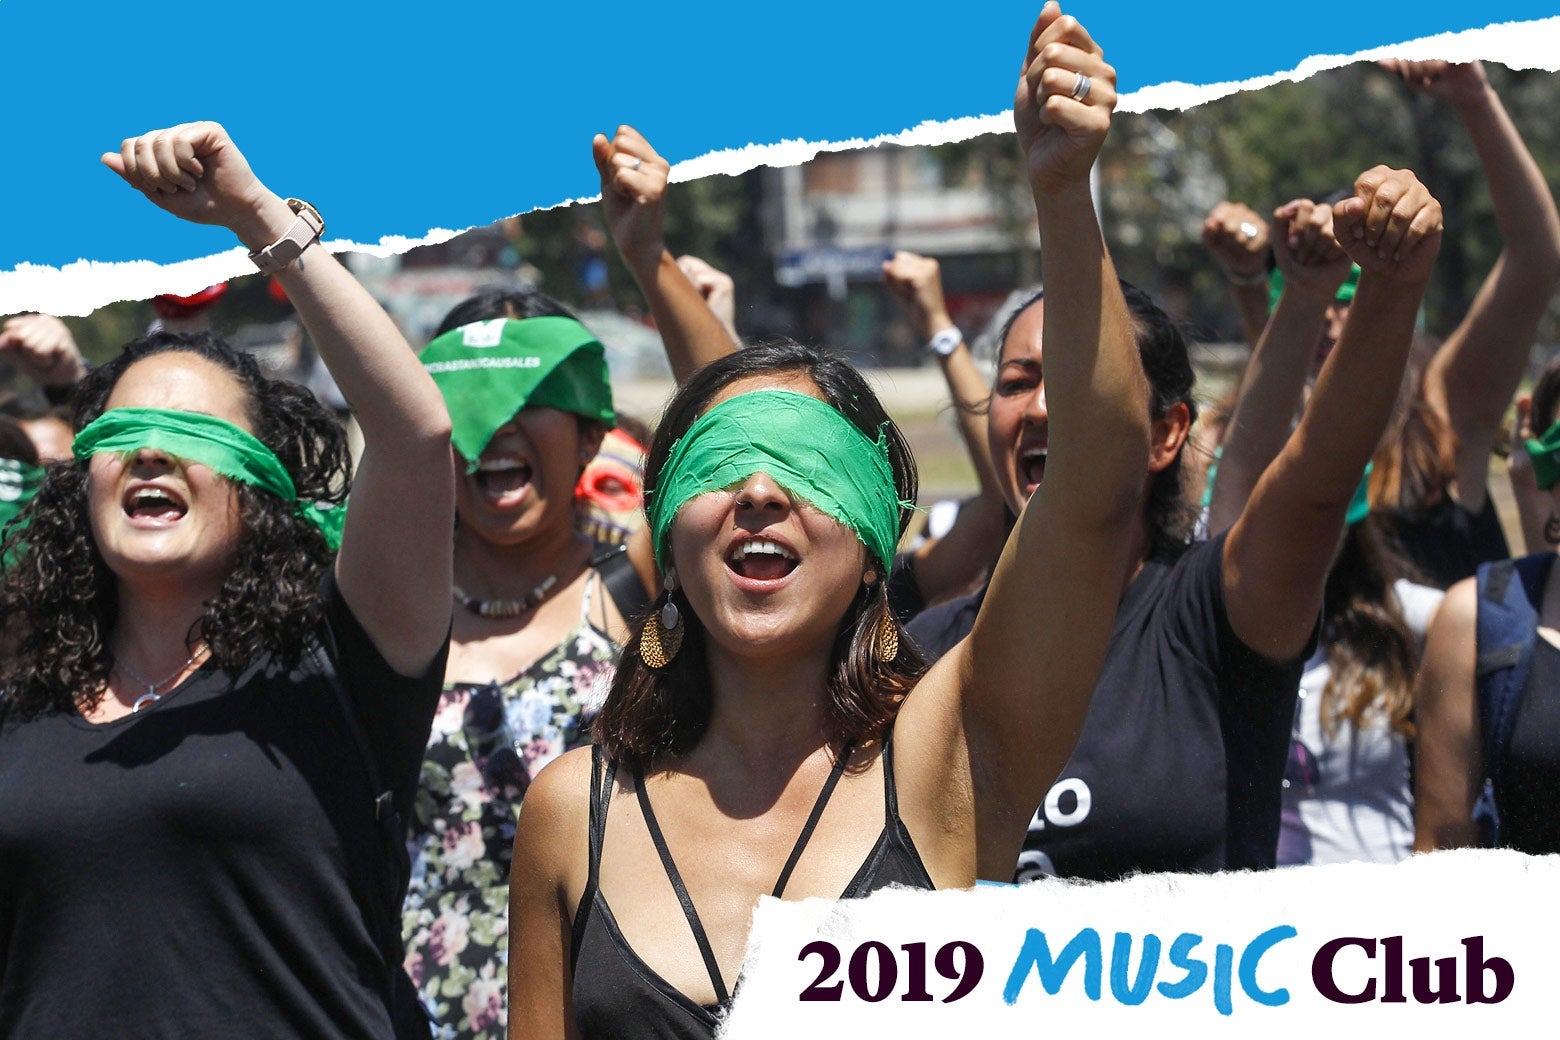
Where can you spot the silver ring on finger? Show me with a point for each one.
(1248, 230)
(637, 164)
(1081, 87)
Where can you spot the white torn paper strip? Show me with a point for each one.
(1454, 941)
(82, 287)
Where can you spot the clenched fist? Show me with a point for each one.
(1392, 225)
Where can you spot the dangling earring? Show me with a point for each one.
(662, 635)
(886, 641)
(887, 637)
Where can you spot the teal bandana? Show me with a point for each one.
(1359, 505)
(1545, 453)
(489, 370)
(228, 450)
(812, 450)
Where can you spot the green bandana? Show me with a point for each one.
(1545, 453)
(812, 450)
(228, 450)
(489, 370)
(1359, 505)
(1345, 291)
(19, 482)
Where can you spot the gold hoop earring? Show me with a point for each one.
(662, 635)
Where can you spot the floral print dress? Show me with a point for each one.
(488, 742)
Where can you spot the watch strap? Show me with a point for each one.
(306, 229)
(946, 341)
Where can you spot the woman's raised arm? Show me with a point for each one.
(1002, 711)
(394, 563)
(1476, 371)
(1286, 536)
(633, 196)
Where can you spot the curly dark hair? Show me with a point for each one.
(59, 603)
(649, 713)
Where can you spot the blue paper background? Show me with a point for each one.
(397, 117)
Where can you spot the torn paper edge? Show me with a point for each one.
(80, 288)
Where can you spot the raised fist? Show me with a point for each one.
(43, 349)
(1452, 82)
(1238, 239)
(1309, 256)
(717, 288)
(633, 194)
(1065, 96)
(916, 281)
(195, 172)
(1392, 225)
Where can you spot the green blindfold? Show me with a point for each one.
(813, 451)
(19, 482)
(227, 449)
(1345, 291)
(1545, 453)
(489, 370)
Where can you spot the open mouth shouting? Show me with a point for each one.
(504, 481)
(153, 505)
(760, 561)
(1031, 468)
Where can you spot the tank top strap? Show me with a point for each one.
(603, 775)
(812, 819)
(694, 924)
(890, 791)
(692, 915)
(591, 584)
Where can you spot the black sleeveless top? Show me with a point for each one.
(620, 996)
(1447, 541)
(1530, 792)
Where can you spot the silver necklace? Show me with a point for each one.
(151, 696)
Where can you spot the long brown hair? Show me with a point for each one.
(1371, 653)
(653, 712)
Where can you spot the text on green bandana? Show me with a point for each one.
(489, 370)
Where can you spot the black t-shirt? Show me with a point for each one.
(1179, 764)
(210, 866)
(1446, 542)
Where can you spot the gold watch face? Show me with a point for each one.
(299, 206)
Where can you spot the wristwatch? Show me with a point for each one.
(946, 341)
(305, 230)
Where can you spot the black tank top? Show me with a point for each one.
(1447, 542)
(620, 996)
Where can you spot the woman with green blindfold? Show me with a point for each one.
(768, 730)
(214, 716)
(536, 631)
(1488, 695)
